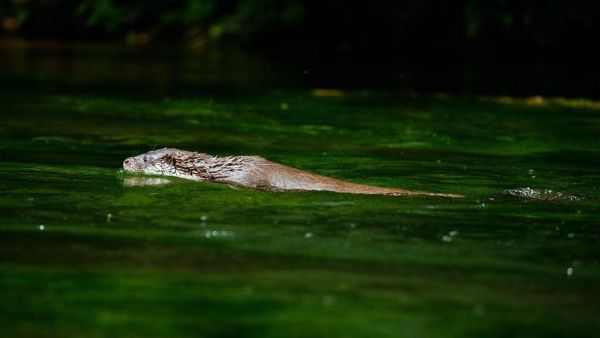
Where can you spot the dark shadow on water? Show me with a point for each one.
(175, 71)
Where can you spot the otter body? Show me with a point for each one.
(250, 172)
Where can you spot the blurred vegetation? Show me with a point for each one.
(159, 19)
(495, 28)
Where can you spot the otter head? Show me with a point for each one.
(156, 162)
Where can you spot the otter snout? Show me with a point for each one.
(130, 164)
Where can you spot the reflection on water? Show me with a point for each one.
(170, 69)
(144, 181)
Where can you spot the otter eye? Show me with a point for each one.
(145, 159)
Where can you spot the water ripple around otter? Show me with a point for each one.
(540, 194)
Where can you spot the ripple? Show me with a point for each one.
(540, 194)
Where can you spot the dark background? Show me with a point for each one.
(515, 46)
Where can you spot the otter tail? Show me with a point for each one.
(422, 193)
(354, 188)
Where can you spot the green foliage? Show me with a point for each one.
(544, 19)
(404, 24)
(197, 11)
(100, 13)
(191, 12)
(264, 11)
(216, 17)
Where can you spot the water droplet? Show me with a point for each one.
(453, 233)
(42, 227)
(571, 235)
(308, 235)
(446, 238)
(570, 271)
(284, 106)
(203, 218)
(108, 217)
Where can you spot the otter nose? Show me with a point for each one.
(126, 161)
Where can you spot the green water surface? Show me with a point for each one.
(85, 254)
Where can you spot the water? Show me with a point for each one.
(540, 194)
(87, 250)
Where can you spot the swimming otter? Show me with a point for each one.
(248, 171)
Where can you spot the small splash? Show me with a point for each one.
(42, 227)
(540, 194)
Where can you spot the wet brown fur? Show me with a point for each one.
(257, 173)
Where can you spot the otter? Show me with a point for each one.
(250, 172)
